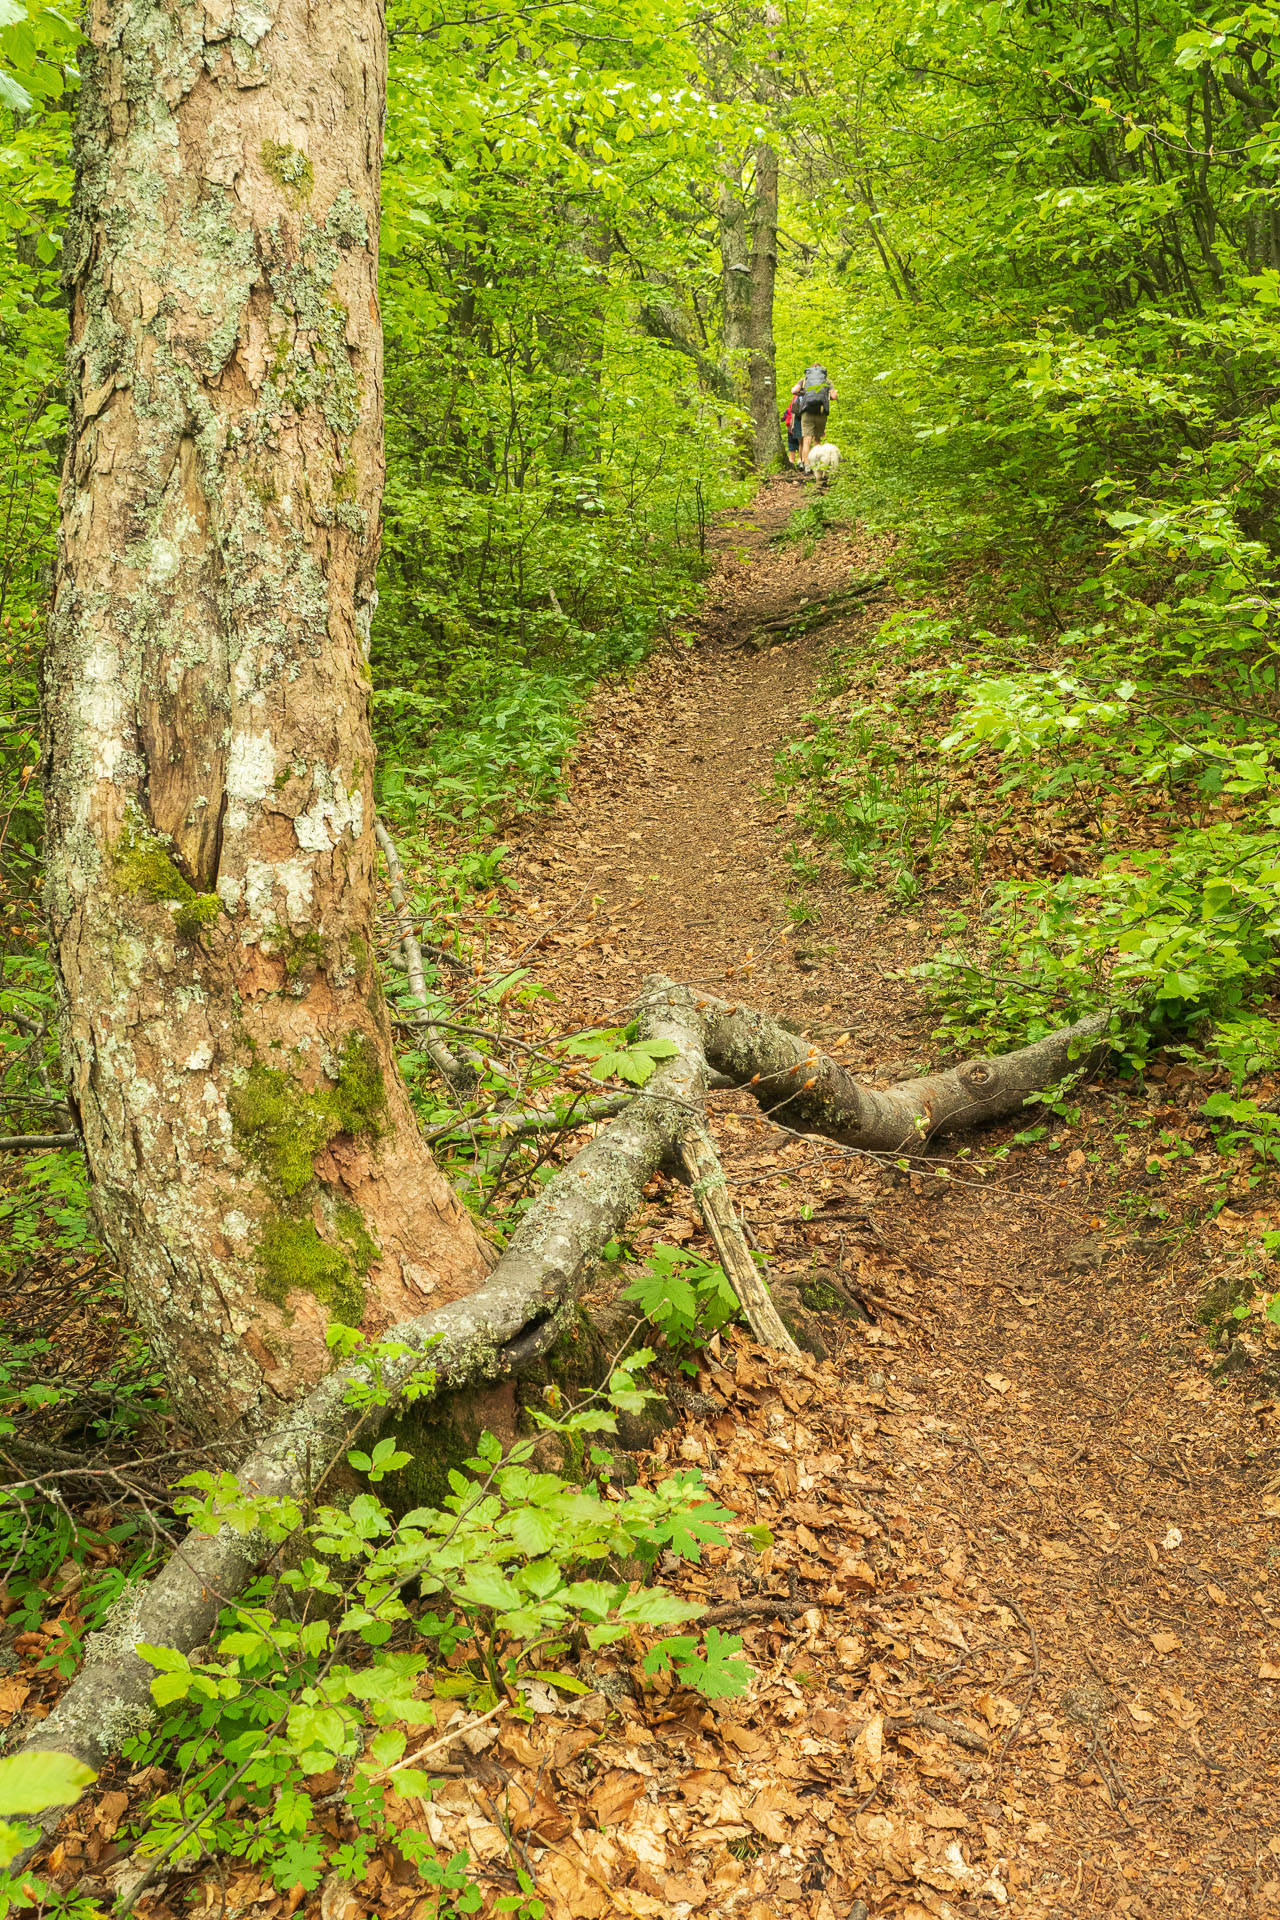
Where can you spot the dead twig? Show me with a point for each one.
(933, 1722)
(1034, 1675)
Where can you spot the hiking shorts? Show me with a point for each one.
(813, 423)
(793, 438)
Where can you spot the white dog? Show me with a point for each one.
(824, 458)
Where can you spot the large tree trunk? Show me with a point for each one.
(256, 1165)
(762, 371)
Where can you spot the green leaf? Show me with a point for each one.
(488, 1587)
(567, 1682)
(533, 1531)
(12, 95)
(30, 1783)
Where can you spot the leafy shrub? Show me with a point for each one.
(686, 1298)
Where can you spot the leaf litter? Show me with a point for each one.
(1015, 1631)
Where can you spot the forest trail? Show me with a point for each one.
(1017, 1633)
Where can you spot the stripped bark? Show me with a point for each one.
(791, 1079)
(706, 1177)
(514, 1317)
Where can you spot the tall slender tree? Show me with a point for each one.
(254, 1157)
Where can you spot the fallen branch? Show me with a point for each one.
(786, 1073)
(510, 1123)
(790, 626)
(515, 1315)
(33, 1142)
(458, 1073)
(937, 1723)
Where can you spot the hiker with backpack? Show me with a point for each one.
(791, 421)
(814, 394)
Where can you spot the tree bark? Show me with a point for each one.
(256, 1165)
(735, 290)
(762, 371)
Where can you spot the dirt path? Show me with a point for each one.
(1015, 1638)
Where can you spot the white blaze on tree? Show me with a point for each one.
(256, 1165)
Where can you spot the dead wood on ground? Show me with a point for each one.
(516, 1315)
(790, 626)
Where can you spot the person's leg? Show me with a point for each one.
(815, 426)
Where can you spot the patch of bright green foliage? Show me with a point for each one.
(685, 1297)
(385, 1622)
(618, 1053)
(1054, 365)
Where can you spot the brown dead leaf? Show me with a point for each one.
(574, 1893)
(109, 1812)
(1269, 1667)
(13, 1693)
(1075, 1160)
(1216, 1594)
(767, 1813)
(1165, 1642)
(998, 1382)
(743, 1738)
(947, 1818)
(868, 1753)
(613, 1797)
(995, 1709)
(1142, 1720)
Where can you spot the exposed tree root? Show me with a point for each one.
(514, 1317)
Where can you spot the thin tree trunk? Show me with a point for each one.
(256, 1166)
(764, 268)
(735, 289)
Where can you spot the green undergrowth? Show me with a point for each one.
(389, 1616)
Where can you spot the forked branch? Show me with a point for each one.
(551, 1254)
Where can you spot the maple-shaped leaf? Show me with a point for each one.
(718, 1673)
(687, 1532)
